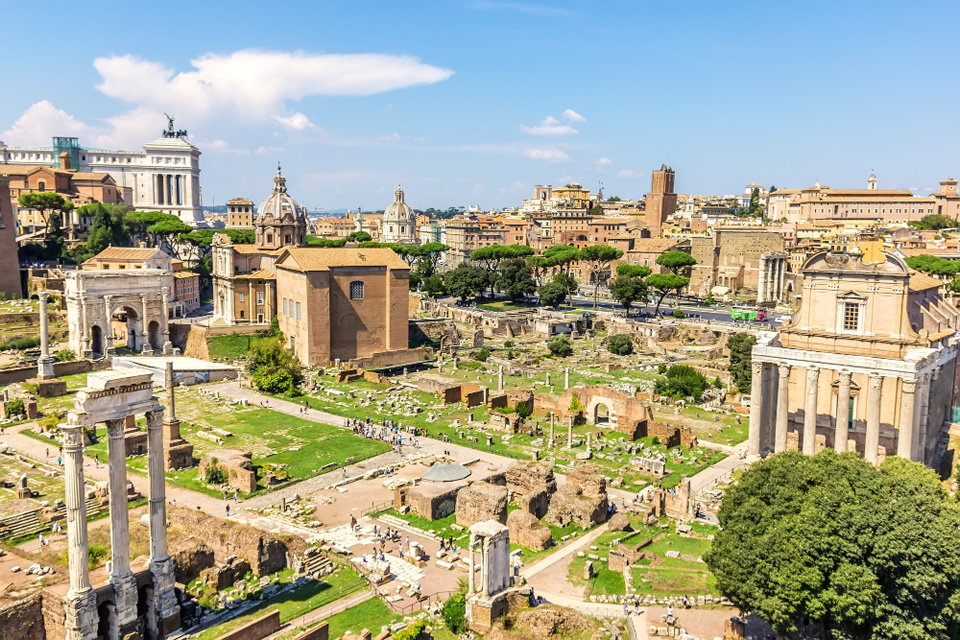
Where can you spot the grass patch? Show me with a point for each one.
(231, 346)
(506, 305)
(372, 614)
(440, 527)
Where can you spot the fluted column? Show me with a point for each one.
(471, 581)
(907, 432)
(80, 603)
(124, 584)
(810, 412)
(161, 566)
(108, 329)
(783, 408)
(872, 442)
(756, 409)
(920, 453)
(146, 348)
(842, 432)
(769, 420)
(167, 345)
(45, 363)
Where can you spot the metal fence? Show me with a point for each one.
(376, 507)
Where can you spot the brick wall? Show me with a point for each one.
(262, 627)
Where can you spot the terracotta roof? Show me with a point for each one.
(185, 274)
(259, 274)
(90, 175)
(252, 248)
(322, 259)
(26, 169)
(125, 253)
(922, 282)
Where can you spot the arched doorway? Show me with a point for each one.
(134, 329)
(107, 625)
(601, 414)
(96, 339)
(154, 337)
(146, 611)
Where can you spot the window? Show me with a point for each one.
(851, 316)
(259, 297)
(41, 186)
(356, 290)
(298, 311)
(241, 297)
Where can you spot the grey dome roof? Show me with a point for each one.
(446, 473)
(279, 203)
(399, 210)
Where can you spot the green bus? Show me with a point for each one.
(748, 313)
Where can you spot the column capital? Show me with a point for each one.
(909, 385)
(784, 369)
(154, 418)
(757, 367)
(876, 381)
(845, 377)
(115, 428)
(43, 295)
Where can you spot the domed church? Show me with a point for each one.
(399, 221)
(280, 220)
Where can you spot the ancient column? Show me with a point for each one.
(551, 429)
(569, 432)
(471, 582)
(920, 455)
(762, 280)
(80, 603)
(108, 329)
(548, 378)
(84, 330)
(906, 438)
(484, 565)
(167, 345)
(783, 408)
(842, 432)
(756, 409)
(810, 412)
(500, 379)
(872, 441)
(161, 566)
(45, 363)
(146, 348)
(566, 378)
(768, 418)
(124, 584)
(589, 451)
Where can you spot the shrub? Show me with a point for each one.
(575, 403)
(214, 474)
(679, 314)
(510, 354)
(482, 354)
(508, 344)
(560, 346)
(474, 366)
(14, 408)
(524, 410)
(65, 355)
(454, 612)
(681, 381)
(275, 327)
(22, 343)
(413, 631)
(661, 368)
(620, 344)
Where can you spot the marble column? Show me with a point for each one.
(124, 584)
(45, 363)
(569, 432)
(906, 438)
(783, 408)
(471, 581)
(500, 379)
(842, 431)
(161, 566)
(756, 409)
(80, 603)
(551, 429)
(810, 412)
(108, 329)
(566, 378)
(167, 345)
(920, 455)
(872, 441)
(769, 416)
(146, 348)
(84, 330)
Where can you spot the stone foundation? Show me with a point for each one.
(50, 388)
(531, 484)
(237, 464)
(582, 501)
(481, 501)
(527, 531)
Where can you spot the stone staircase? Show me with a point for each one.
(27, 523)
(317, 565)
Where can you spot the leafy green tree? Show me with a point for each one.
(273, 368)
(560, 346)
(866, 552)
(613, 199)
(755, 209)
(677, 262)
(682, 381)
(433, 285)
(515, 278)
(491, 257)
(539, 265)
(214, 474)
(664, 283)
(332, 243)
(598, 258)
(49, 203)
(935, 221)
(628, 289)
(359, 236)
(620, 344)
(167, 231)
(933, 265)
(465, 282)
(482, 354)
(454, 611)
(563, 256)
(633, 270)
(552, 294)
(741, 357)
(597, 210)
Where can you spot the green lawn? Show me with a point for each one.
(231, 346)
(440, 527)
(295, 602)
(274, 438)
(372, 614)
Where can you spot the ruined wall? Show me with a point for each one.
(481, 501)
(262, 627)
(23, 619)
(433, 330)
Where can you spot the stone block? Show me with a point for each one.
(481, 501)
(527, 531)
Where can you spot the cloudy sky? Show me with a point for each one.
(475, 101)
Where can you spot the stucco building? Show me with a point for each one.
(866, 364)
(342, 303)
(399, 221)
(239, 213)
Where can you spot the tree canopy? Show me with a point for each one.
(514, 278)
(933, 265)
(598, 258)
(465, 282)
(741, 356)
(869, 553)
(678, 262)
(664, 283)
(681, 381)
(628, 289)
(935, 221)
(552, 293)
(274, 369)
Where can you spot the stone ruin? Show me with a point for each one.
(236, 464)
(481, 501)
(581, 501)
(527, 531)
(530, 485)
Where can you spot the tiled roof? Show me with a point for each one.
(321, 259)
(922, 282)
(90, 175)
(26, 169)
(125, 253)
(259, 274)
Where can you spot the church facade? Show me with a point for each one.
(399, 221)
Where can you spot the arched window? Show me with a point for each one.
(41, 186)
(356, 290)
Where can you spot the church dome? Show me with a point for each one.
(280, 204)
(399, 211)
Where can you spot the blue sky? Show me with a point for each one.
(475, 101)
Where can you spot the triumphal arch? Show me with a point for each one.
(138, 603)
(101, 301)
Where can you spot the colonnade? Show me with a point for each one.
(770, 411)
(172, 189)
(770, 282)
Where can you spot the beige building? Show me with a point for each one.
(892, 206)
(866, 364)
(343, 304)
(239, 213)
(466, 234)
(733, 259)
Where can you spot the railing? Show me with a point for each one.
(376, 507)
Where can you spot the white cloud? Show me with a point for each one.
(220, 146)
(297, 122)
(625, 173)
(550, 126)
(38, 121)
(573, 116)
(550, 155)
(478, 188)
(603, 162)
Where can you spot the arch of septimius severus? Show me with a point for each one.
(140, 602)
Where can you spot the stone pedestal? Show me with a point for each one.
(177, 452)
(80, 621)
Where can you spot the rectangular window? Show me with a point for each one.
(241, 297)
(356, 290)
(285, 307)
(298, 311)
(851, 316)
(259, 297)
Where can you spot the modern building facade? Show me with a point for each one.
(866, 364)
